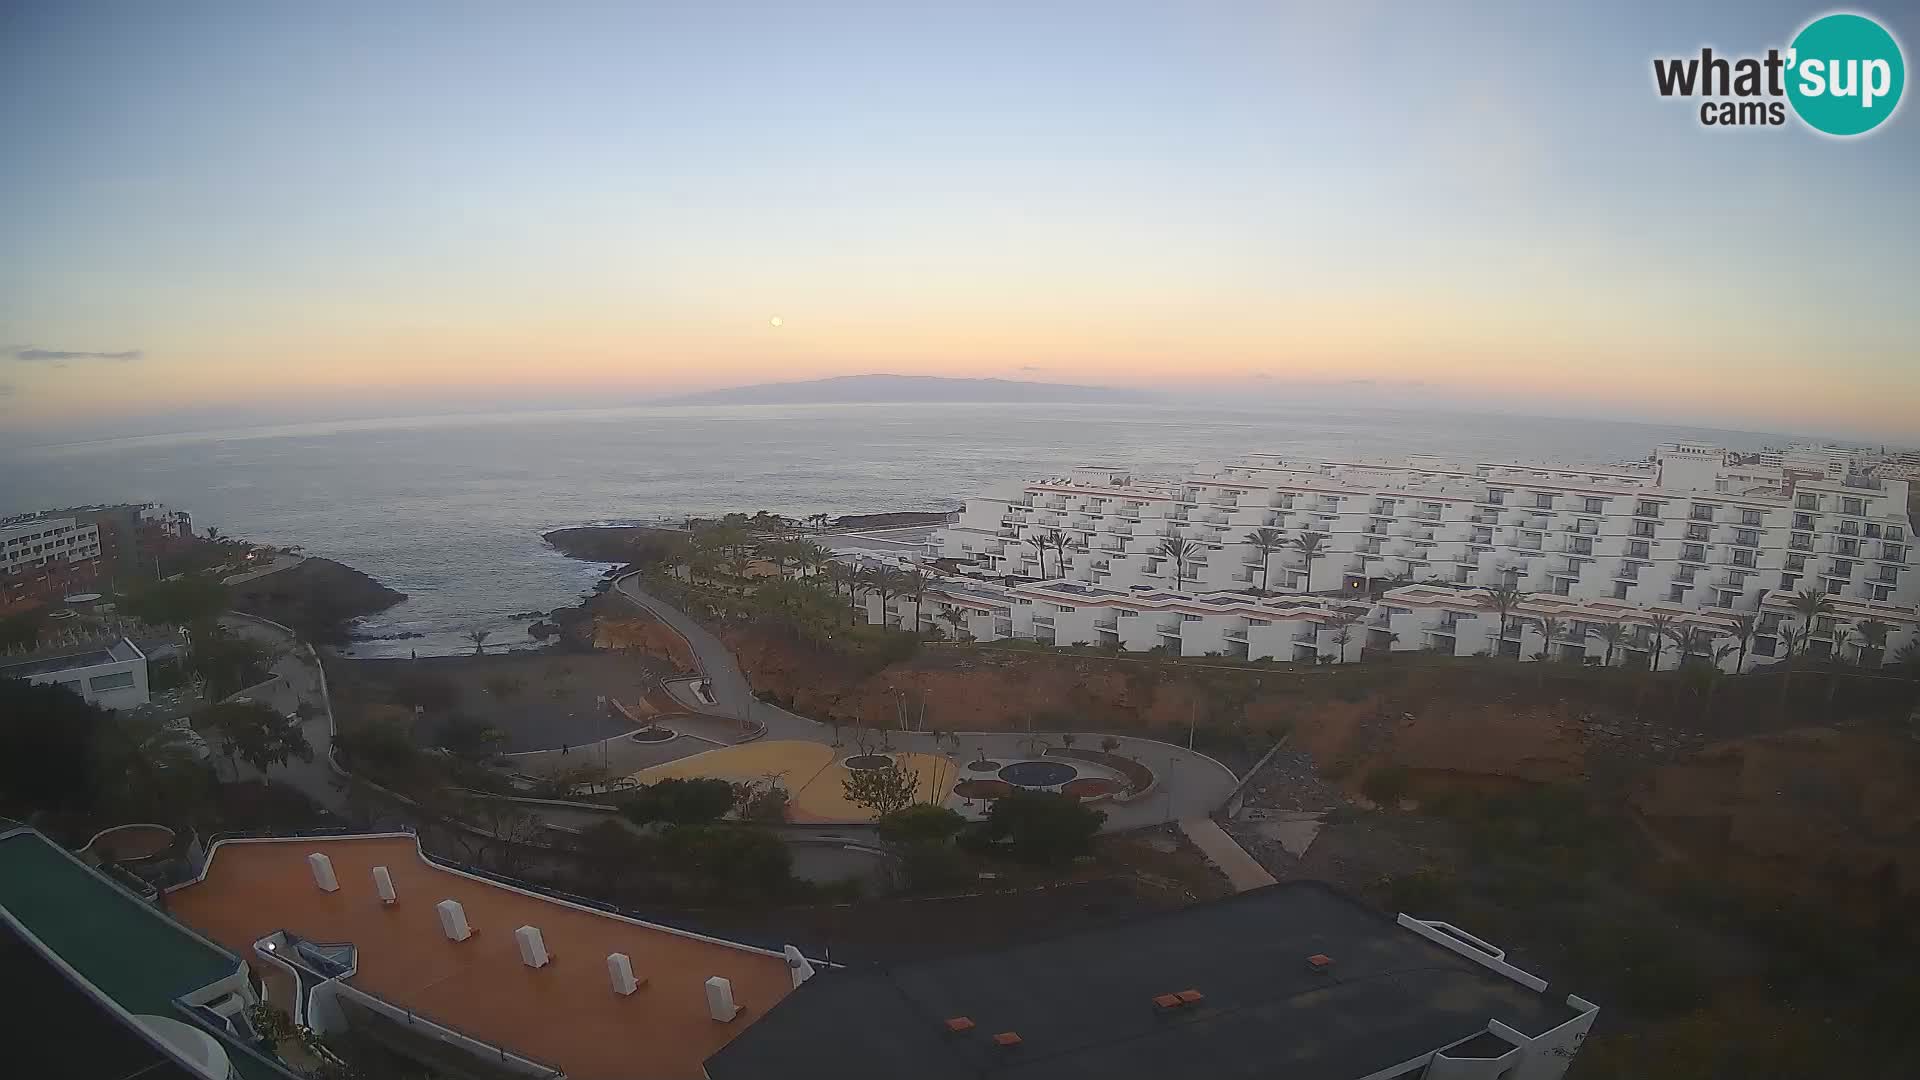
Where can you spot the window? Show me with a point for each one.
(1646, 509)
(1846, 545)
(1796, 562)
(1850, 528)
(1842, 568)
(1059, 607)
(1496, 498)
(1749, 517)
(1853, 506)
(1684, 573)
(1895, 532)
(1543, 501)
(1639, 549)
(1788, 581)
(1800, 542)
(1742, 557)
(119, 680)
(1808, 502)
(1677, 594)
(1189, 618)
(1643, 528)
(1619, 590)
(1881, 592)
(1693, 553)
(1595, 506)
(1803, 521)
(1873, 532)
(1893, 552)
(1701, 513)
(1582, 546)
(1746, 538)
(1698, 532)
(1889, 573)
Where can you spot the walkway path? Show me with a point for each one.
(732, 694)
(296, 682)
(1242, 871)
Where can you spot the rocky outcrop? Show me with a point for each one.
(317, 598)
(632, 545)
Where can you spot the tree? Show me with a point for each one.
(1744, 626)
(1552, 629)
(1044, 827)
(147, 770)
(1180, 552)
(256, 734)
(1343, 630)
(470, 740)
(1109, 744)
(679, 801)
(226, 660)
(47, 734)
(1661, 624)
(1613, 634)
(1811, 605)
(1039, 544)
(764, 800)
(612, 851)
(1311, 546)
(957, 619)
(1713, 672)
(1060, 542)
(728, 861)
(1266, 541)
(1873, 640)
(914, 583)
(920, 824)
(178, 602)
(479, 639)
(1503, 599)
(22, 630)
(883, 790)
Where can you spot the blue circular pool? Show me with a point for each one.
(1038, 774)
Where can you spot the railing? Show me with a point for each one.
(446, 1034)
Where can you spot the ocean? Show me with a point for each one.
(450, 509)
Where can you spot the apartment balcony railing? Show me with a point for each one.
(1306, 637)
(1043, 620)
(1236, 634)
(1627, 572)
(1427, 515)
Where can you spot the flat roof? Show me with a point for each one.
(126, 948)
(93, 1040)
(72, 658)
(564, 1014)
(1083, 1005)
(118, 942)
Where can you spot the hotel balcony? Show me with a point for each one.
(1235, 634)
(1627, 572)
(1306, 637)
(1043, 620)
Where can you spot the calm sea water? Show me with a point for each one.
(450, 509)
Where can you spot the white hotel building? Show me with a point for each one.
(1700, 535)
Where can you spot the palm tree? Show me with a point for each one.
(1810, 605)
(1553, 629)
(956, 618)
(1059, 541)
(1503, 599)
(1266, 541)
(1873, 638)
(479, 639)
(818, 522)
(1179, 551)
(1039, 544)
(914, 583)
(1613, 633)
(1713, 670)
(1661, 624)
(886, 581)
(1311, 545)
(1743, 630)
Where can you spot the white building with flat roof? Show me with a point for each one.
(31, 543)
(111, 674)
(1696, 536)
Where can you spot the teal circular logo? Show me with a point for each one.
(1845, 74)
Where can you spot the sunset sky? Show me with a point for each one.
(286, 209)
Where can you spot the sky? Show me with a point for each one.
(294, 210)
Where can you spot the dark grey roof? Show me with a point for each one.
(1083, 1004)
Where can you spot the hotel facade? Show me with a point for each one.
(1697, 536)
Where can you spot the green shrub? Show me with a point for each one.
(678, 801)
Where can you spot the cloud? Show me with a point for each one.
(61, 356)
(1030, 367)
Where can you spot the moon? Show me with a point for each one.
(776, 322)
